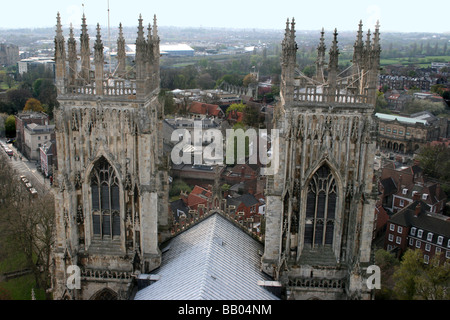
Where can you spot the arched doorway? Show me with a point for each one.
(395, 146)
(105, 294)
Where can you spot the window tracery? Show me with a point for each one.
(320, 208)
(105, 201)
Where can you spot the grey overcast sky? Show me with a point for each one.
(394, 15)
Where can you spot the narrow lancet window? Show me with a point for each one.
(320, 208)
(105, 197)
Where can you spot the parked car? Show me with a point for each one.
(9, 152)
(33, 192)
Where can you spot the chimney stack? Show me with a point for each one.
(417, 209)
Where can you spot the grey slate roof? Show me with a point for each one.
(389, 186)
(178, 207)
(247, 199)
(213, 260)
(425, 220)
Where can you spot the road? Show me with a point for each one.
(27, 168)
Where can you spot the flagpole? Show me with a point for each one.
(109, 40)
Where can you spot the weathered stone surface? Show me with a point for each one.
(109, 204)
(320, 205)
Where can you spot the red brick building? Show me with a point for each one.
(23, 119)
(199, 109)
(402, 185)
(415, 228)
(381, 218)
(198, 196)
(246, 205)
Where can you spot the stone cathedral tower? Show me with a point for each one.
(111, 183)
(320, 204)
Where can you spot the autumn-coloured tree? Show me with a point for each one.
(33, 104)
(415, 280)
(18, 97)
(249, 79)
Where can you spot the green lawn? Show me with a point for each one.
(422, 62)
(20, 288)
(11, 259)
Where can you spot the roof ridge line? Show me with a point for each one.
(210, 238)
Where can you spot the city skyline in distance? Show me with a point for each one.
(394, 16)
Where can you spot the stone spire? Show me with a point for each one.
(98, 47)
(140, 60)
(358, 53)
(320, 61)
(72, 56)
(375, 52)
(288, 63)
(99, 61)
(85, 51)
(59, 32)
(366, 61)
(286, 31)
(292, 35)
(121, 54)
(149, 56)
(140, 51)
(359, 36)
(60, 56)
(156, 54)
(149, 34)
(367, 49)
(376, 47)
(155, 28)
(333, 62)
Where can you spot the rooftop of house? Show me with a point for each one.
(243, 169)
(201, 192)
(424, 115)
(178, 207)
(421, 218)
(205, 108)
(389, 186)
(189, 123)
(399, 169)
(247, 199)
(444, 142)
(31, 115)
(193, 167)
(198, 195)
(47, 148)
(236, 116)
(37, 128)
(213, 260)
(393, 117)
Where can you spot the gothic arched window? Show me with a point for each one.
(320, 208)
(105, 201)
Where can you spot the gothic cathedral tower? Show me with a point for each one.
(320, 205)
(110, 185)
